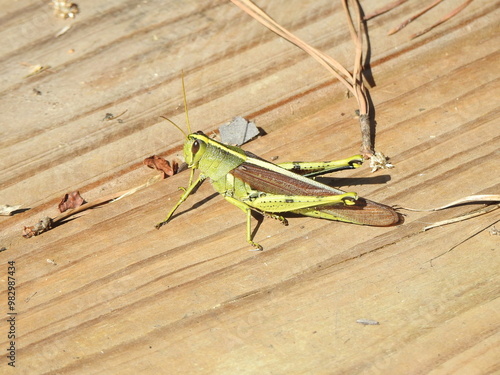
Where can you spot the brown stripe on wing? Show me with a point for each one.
(364, 212)
(269, 181)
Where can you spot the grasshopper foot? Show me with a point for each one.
(281, 219)
(256, 245)
(159, 225)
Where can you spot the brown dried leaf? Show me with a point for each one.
(160, 164)
(70, 201)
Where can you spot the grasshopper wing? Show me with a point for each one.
(270, 178)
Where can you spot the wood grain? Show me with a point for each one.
(107, 293)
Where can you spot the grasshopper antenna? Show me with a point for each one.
(185, 104)
(174, 124)
(185, 111)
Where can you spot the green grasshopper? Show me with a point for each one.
(254, 184)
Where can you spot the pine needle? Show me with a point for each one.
(352, 81)
(444, 19)
(385, 9)
(414, 17)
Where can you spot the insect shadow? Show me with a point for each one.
(197, 204)
(353, 181)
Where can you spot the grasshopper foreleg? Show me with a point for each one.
(187, 193)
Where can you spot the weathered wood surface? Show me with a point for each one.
(107, 293)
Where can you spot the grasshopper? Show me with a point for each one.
(254, 184)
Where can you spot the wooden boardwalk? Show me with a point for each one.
(107, 293)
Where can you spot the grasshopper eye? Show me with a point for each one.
(195, 147)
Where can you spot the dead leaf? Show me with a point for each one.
(160, 164)
(70, 201)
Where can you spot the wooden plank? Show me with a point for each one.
(107, 293)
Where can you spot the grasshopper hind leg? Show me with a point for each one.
(313, 169)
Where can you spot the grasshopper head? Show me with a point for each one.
(194, 148)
